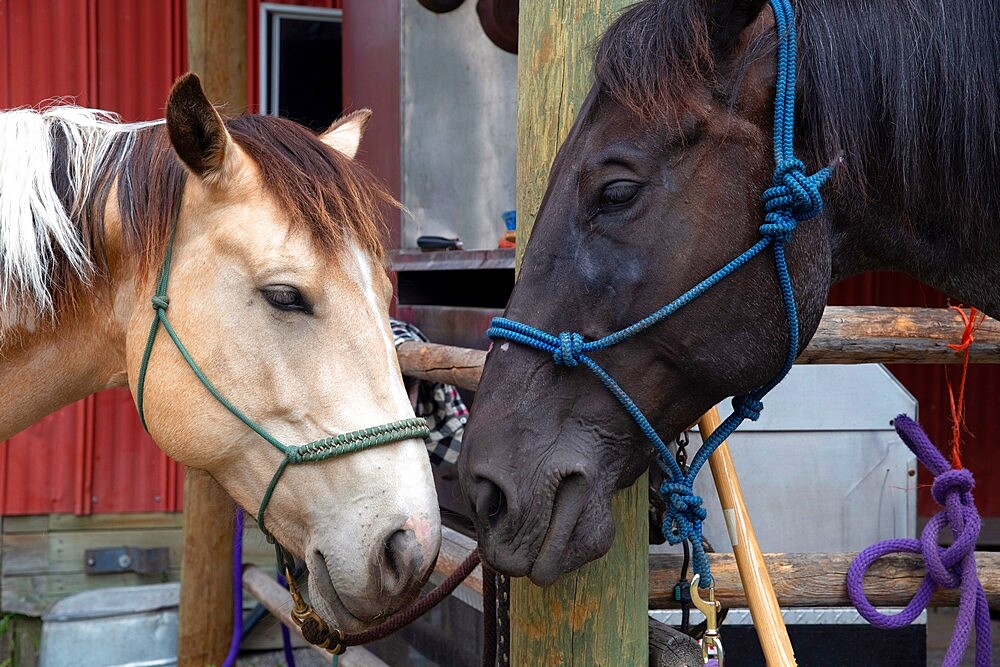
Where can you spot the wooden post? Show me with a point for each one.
(763, 603)
(598, 614)
(217, 50)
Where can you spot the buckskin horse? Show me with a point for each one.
(659, 184)
(252, 247)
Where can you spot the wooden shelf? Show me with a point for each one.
(451, 260)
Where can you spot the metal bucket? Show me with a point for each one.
(133, 626)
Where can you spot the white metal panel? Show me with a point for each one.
(459, 116)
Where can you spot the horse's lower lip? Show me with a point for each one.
(321, 584)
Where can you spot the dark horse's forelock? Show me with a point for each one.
(654, 54)
(906, 93)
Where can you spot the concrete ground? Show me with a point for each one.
(939, 626)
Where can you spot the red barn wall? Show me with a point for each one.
(928, 383)
(119, 55)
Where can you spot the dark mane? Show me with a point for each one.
(905, 93)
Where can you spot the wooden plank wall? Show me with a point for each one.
(43, 555)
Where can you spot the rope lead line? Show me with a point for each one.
(792, 198)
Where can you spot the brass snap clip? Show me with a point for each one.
(711, 643)
(314, 629)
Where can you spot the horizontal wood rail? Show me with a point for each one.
(800, 580)
(820, 580)
(846, 335)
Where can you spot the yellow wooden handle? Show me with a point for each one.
(761, 599)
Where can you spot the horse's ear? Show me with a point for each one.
(344, 136)
(196, 130)
(728, 18)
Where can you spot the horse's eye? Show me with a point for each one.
(618, 193)
(286, 297)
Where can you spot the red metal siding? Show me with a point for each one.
(928, 383)
(120, 55)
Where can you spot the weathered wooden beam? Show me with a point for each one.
(846, 335)
(217, 51)
(800, 580)
(819, 580)
(459, 366)
(870, 334)
(597, 614)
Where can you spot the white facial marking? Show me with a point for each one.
(367, 285)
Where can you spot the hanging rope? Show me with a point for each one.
(947, 567)
(972, 321)
(792, 198)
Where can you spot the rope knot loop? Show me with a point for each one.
(160, 302)
(569, 350)
(748, 408)
(682, 520)
(950, 482)
(794, 197)
(953, 566)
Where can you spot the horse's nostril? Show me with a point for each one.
(490, 502)
(401, 553)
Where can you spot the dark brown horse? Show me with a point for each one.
(659, 184)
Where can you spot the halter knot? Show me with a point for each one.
(748, 408)
(950, 482)
(684, 514)
(160, 302)
(794, 197)
(569, 350)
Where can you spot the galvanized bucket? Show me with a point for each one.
(133, 626)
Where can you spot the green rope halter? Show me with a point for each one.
(318, 450)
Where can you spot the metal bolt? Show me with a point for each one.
(156, 499)
(93, 499)
(124, 561)
(91, 561)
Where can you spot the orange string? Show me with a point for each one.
(972, 321)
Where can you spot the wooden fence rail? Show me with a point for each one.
(846, 335)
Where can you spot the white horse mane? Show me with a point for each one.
(35, 225)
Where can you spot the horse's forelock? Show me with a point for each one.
(334, 197)
(654, 54)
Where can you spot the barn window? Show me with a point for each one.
(300, 63)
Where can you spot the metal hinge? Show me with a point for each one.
(113, 560)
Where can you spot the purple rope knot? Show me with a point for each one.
(947, 567)
(748, 408)
(569, 350)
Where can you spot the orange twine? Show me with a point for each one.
(972, 321)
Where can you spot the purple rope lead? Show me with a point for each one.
(951, 567)
(234, 644)
(286, 637)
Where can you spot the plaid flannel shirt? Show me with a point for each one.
(438, 403)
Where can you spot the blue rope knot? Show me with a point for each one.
(748, 408)
(794, 197)
(569, 350)
(160, 302)
(682, 520)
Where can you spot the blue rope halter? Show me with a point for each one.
(792, 198)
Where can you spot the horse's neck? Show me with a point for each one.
(964, 263)
(41, 372)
